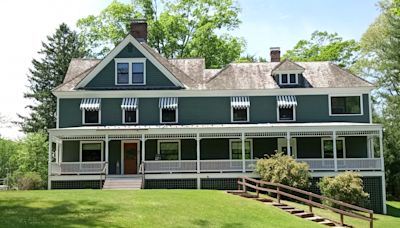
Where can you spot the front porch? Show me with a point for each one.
(325, 147)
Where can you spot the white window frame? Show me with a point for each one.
(91, 142)
(240, 121)
(137, 116)
(277, 114)
(239, 140)
(331, 139)
(288, 78)
(130, 61)
(83, 117)
(346, 95)
(282, 142)
(169, 141)
(176, 116)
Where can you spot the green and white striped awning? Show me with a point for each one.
(90, 104)
(168, 103)
(240, 102)
(286, 101)
(129, 103)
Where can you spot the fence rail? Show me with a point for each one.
(284, 190)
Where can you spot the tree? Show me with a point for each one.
(47, 73)
(8, 149)
(324, 46)
(185, 28)
(249, 58)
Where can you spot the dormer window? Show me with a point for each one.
(289, 79)
(130, 71)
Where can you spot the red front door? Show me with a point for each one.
(130, 158)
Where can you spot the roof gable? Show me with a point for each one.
(121, 51)
(287, 66)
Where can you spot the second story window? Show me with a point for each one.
(240, 109)
(91, 113)
(345, 105)
(286, 108)
(130, 71)
(130, 111)
(168, 110)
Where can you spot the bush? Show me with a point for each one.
(280, 168)
(29, 181)
(346, 187)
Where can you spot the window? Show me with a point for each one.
(91, 112)
(91, 117)
(130, 116)
(169, 150)
(130, 71)
(91, 151)
(122, 73)
(168, 115)
(240, 114)
(346, 105)
(286, 114)
(327, 148)
(236, 149)
(289, 79)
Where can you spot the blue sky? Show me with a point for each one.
(266, 23)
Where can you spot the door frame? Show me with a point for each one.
(123, 151)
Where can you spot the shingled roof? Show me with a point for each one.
(192, 73)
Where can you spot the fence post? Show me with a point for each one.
(257, 191)
(310, 205)
(278, 196)
(238, 184)
(371, 223)
(341, 216)
(244, 184)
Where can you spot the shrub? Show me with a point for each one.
(280, 168)
(346, 187)
(29, 181)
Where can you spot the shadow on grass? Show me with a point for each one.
(393, 211)
(206, 223)
(20, 212)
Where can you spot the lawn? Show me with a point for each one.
(144, 208)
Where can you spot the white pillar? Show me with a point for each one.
(288, 150)
(383, 171)
(143, 147)
(372, 147)
(334, 151)
(61, 152)
(49, 163)
(243, 153)
(57, 152)
(198, 152)
(381, 150)
(107, 153)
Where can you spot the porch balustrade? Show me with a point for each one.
(77, 168)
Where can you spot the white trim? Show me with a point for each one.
(282, 142)
(278, 118)
(370, 107)
(91, 142)
(58, 113)
(331, 139)
(123, 116)
(240, 121)
(167, 140)
(211, 93)
(288, 78)
(240, 140)
(128, 39)
(122, 166)
(130, 61)
(83, 117)
(176, 116)
(346, 95)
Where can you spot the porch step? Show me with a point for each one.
(133, 183)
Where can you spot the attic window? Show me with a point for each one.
(130, 71)
(289, 79)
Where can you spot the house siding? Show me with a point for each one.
(210, 110)
(106, 77)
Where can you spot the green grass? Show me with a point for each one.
(144, 208)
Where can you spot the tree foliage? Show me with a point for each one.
(184, 28)
(346, 187)
(280, 168)
(324, 46)
(47, 73)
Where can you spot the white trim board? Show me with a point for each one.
(128, 39)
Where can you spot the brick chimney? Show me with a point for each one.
(139, 29)
(275, 53)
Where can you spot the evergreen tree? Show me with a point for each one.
(47, 73)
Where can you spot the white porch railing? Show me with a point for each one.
(182, 166)
(77, 168)
(318, 164)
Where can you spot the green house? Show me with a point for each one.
(176, 124)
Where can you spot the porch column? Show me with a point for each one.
(57, 152)
(107, 149)
(49, 162)
(243, 154)
(383, 169)
(372, 147)
(381, 150)
(288, 150)
(143, 147)
(198, 152)
(60, 151)
(334, 151)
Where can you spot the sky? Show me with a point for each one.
(24, 24)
